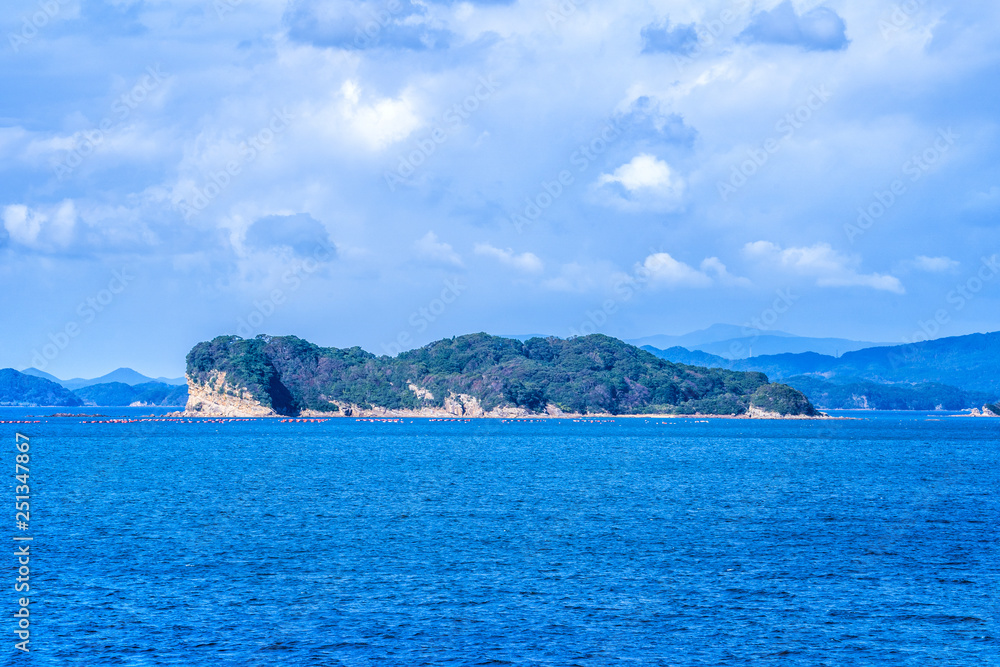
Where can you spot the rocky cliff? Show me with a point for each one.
(214, 397)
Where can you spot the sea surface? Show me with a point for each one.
(615, 542)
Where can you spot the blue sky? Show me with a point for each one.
(385, 174)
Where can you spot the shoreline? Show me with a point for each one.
(311, 414)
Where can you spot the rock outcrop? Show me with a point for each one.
(217, 398)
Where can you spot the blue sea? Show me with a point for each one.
(614, 542)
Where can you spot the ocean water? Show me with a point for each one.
(620, 542)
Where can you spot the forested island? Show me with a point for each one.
(475, 375)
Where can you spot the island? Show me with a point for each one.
(476, 375)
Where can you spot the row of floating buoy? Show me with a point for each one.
(386, 420)
(143, 421)
(441, 419)
(19, 421)
(227, 420)
(304, 421)
(110, 421)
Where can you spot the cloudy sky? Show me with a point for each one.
(387, 173)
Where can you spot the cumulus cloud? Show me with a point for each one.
(712, 266)
(663, 270)
(301, 233)
(644, 183)
(822, 263)
(46, 228)
(644, 171)
(934, 264)
(378, 122)
(526, 261)
(667, 38)
(436, 252)
(819, 29)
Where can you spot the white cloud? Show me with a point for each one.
(22, 225)
(934, 264)
(822, 262)
(644, 171)
(714, 267)
(664, 270)
(429, 248)
(526, 261)
(40, 229)
(379, 123)
(643, 183)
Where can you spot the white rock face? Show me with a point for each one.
(205, 400)
(218, 398)
(456, 405)
(421, 392)
(759, 413)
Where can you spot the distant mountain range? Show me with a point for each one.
(122, 375)
(960, 372)
(734, 342)
(37, 389)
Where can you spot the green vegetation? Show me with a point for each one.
(994, 408)
(591, 374)
(20, 389)
(782, 399)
